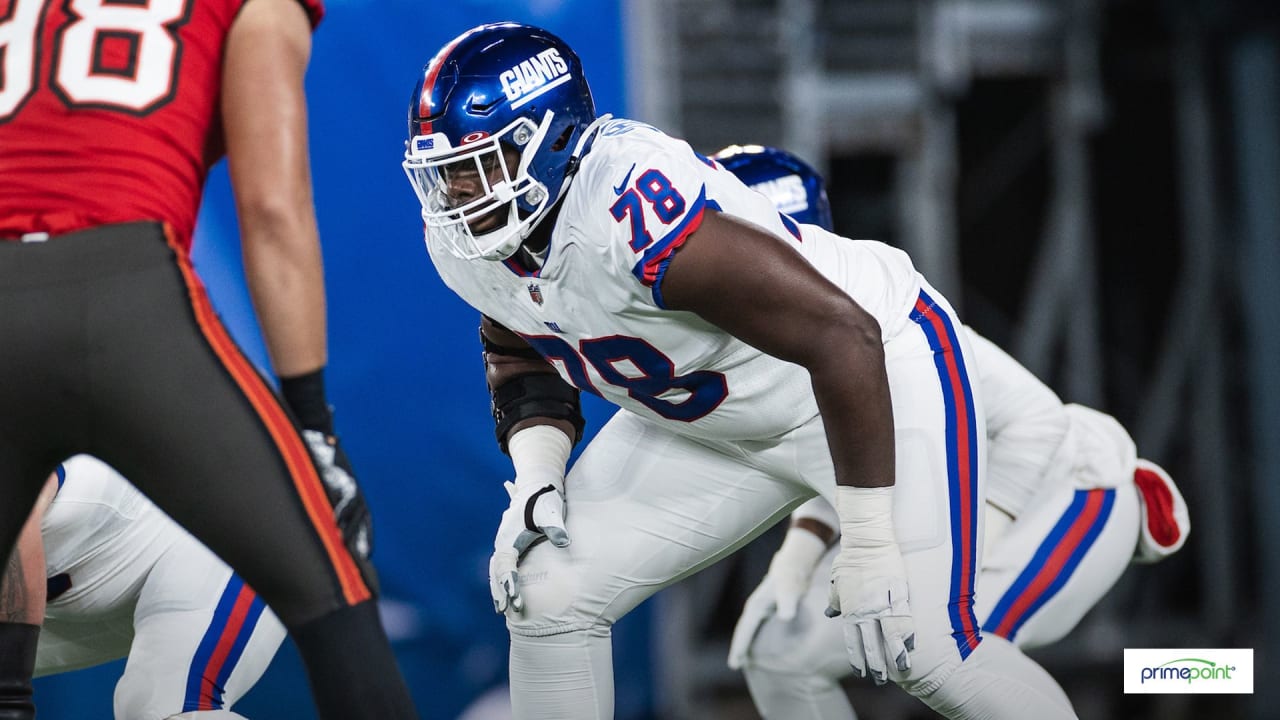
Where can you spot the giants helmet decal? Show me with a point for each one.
(791, 183)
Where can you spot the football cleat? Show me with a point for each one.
(1165, 522)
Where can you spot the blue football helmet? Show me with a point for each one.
(791, 183)
(496, 125)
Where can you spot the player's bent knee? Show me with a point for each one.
(144, 699)
(924, 684)
(138, 699)
(931, 667)
(808, 644)
(551, 586)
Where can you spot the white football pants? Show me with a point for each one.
(647, 506)
(1037, 582)
(197, 639)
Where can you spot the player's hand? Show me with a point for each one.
(869, 595)
(779, 593)
(536, 511)
(869, 584)
(760, 606)
(344, 493)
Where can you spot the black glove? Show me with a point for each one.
(344, 493)
(305, 397)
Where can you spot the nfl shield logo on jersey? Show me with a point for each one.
(535, 293)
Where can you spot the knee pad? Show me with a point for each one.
(809, 644)
(930, 666)
(139, 699)
(996, 681)
(551, 585)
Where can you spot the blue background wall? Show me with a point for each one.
(405, 372)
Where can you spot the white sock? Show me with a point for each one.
(562, 677)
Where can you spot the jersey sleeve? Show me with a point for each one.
(657, 197)
(315, 11)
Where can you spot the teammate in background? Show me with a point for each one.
(126, 581)
(111, 114)
(1069, 506)
(753, 361)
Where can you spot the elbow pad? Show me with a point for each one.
(523, 386)
(535, 395)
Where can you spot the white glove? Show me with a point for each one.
(869, 584)
(536, 511)
(787, 580)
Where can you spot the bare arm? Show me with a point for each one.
(777, 302)
(23, 586)
(264, 116)
(823, 531)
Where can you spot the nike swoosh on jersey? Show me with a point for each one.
(623, 185)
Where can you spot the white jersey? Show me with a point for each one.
(1035, 442)
(1026, 426)
(595, 308)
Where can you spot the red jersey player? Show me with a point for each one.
(111, 113)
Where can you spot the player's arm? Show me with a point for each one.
(776, 301)
(22, 604)
(538, 420)
(22, 587)
(264, 117)
(526, 390)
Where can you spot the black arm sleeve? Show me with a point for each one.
(523, 386)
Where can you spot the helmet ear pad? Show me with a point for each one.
(561, 149)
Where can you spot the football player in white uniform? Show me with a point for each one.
(1069, 506)
(757, 363)
(124, 580)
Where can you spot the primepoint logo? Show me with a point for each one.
(1188, 670)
